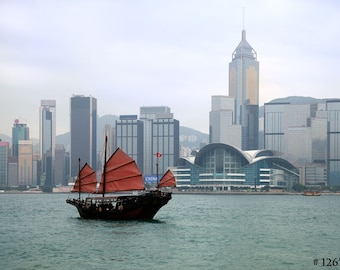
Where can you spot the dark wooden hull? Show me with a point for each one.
(127, 207)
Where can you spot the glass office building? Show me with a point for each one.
(165, 141)
(19, 132)
(244, 88)
(299, 132)
(156, 131)
(4, 153)
(47, 134)
(130, 138)
(83, 133)
(333, 134)
(161, 135)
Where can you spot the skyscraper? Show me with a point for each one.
(25, 163)
(333, 134)
(19, 132)
(161, 135)
(221, 127)
(60, 173)
(295, 132)
(299, 132)
(130, 138)
(47, 132)
(4, 148)
(244, 88)
(83, 132)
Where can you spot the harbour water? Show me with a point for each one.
(40, 231)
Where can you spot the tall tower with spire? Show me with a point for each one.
(244, 88)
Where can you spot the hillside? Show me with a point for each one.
(5, 138)
(192, 138)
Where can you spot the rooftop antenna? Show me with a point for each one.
(243, 15)
(243, 31)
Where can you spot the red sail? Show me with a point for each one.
(168, 180)
(86, 181)
(121, 174)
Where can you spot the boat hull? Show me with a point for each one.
(130, 207)
(311, 193)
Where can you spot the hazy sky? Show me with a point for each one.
(176, 53)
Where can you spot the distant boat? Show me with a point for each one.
(33, 190)
(123, 181)
(311, 193)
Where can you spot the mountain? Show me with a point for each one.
(5, 138)
(192, 138)
(297, 100)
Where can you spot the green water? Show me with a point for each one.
(41, 231)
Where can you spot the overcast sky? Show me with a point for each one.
(175, 53)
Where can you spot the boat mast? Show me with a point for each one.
(157, 170)
(79, 188)
(158, 155)
(104, 169)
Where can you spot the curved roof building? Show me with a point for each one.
(225, 166)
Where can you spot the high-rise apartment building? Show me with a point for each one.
(221, 119)
(244, 88)
(19, 132)
(47, 132)
(83, 132)
(333, 135)
(4, 153)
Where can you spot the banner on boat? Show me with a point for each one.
(150, 179)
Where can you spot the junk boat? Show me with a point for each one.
(123, 195)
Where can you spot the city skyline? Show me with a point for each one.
(175, 54)
(296, 100)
